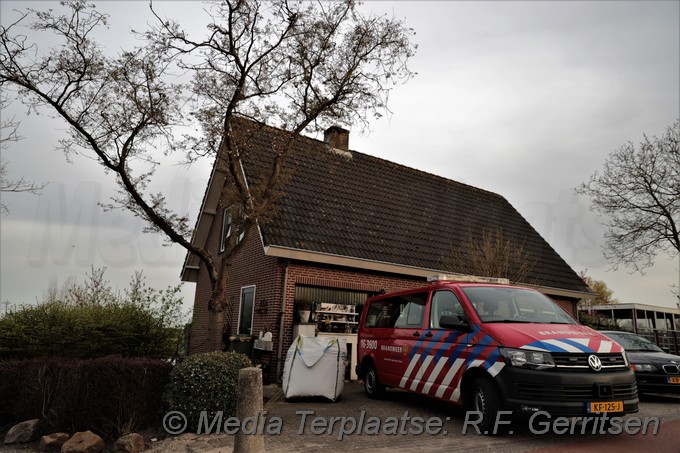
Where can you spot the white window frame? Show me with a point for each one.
(226, 229)
(240, 309)
(227, 223)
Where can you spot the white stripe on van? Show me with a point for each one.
(433, 376)
(421, 371)
(563, 345)
(584, 341)
(496, 368)
(449, 376)
(475, 363)
(534, 348)
(411, 365)
(605, 346)
(455, 396)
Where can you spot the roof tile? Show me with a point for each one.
(370, 208)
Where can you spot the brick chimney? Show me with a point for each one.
(337, 137)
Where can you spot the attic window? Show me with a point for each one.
(226, 229)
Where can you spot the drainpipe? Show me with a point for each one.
(282, 313)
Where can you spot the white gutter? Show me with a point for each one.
(339, 260)
(381, 266)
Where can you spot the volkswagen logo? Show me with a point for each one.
(594, 362)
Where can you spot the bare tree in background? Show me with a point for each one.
(299, 65)
(494, 255)
(638, 193)
(8, 134)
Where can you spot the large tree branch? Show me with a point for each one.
(299, 66)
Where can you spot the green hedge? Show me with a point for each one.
(88, 331)
(108, 395)
(205, 382)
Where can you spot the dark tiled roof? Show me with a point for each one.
(372, 209)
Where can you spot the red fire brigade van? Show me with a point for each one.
(490, 346)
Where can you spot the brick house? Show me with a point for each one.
(348, 225)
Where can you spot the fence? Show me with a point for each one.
(668, 340)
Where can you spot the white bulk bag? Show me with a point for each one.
(315, 366)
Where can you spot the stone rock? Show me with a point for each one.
(83, 442)
(23, 432)
(53, 441)
(130, 443)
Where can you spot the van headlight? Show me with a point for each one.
(534, 360)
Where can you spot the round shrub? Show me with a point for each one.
(205, 382)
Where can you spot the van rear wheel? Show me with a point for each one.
(372, 386)
(486, 402)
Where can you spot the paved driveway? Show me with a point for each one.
(400, 422)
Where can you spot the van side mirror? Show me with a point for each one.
(666, 350)
(453, 322)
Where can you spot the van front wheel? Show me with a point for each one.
(372, 386)
(487, 403)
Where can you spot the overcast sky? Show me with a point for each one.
(525, 99)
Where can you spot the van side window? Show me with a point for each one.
(444, 303)
(403, 311)
(374, 315)
(411, 315)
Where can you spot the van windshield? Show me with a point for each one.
(494, 304)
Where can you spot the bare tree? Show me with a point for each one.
(494, 255)
(8, 134)
(638, 193)
(297, 65)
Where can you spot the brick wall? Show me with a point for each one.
(339, 278)
(249, 267)
(567, 304)
(202, 337)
